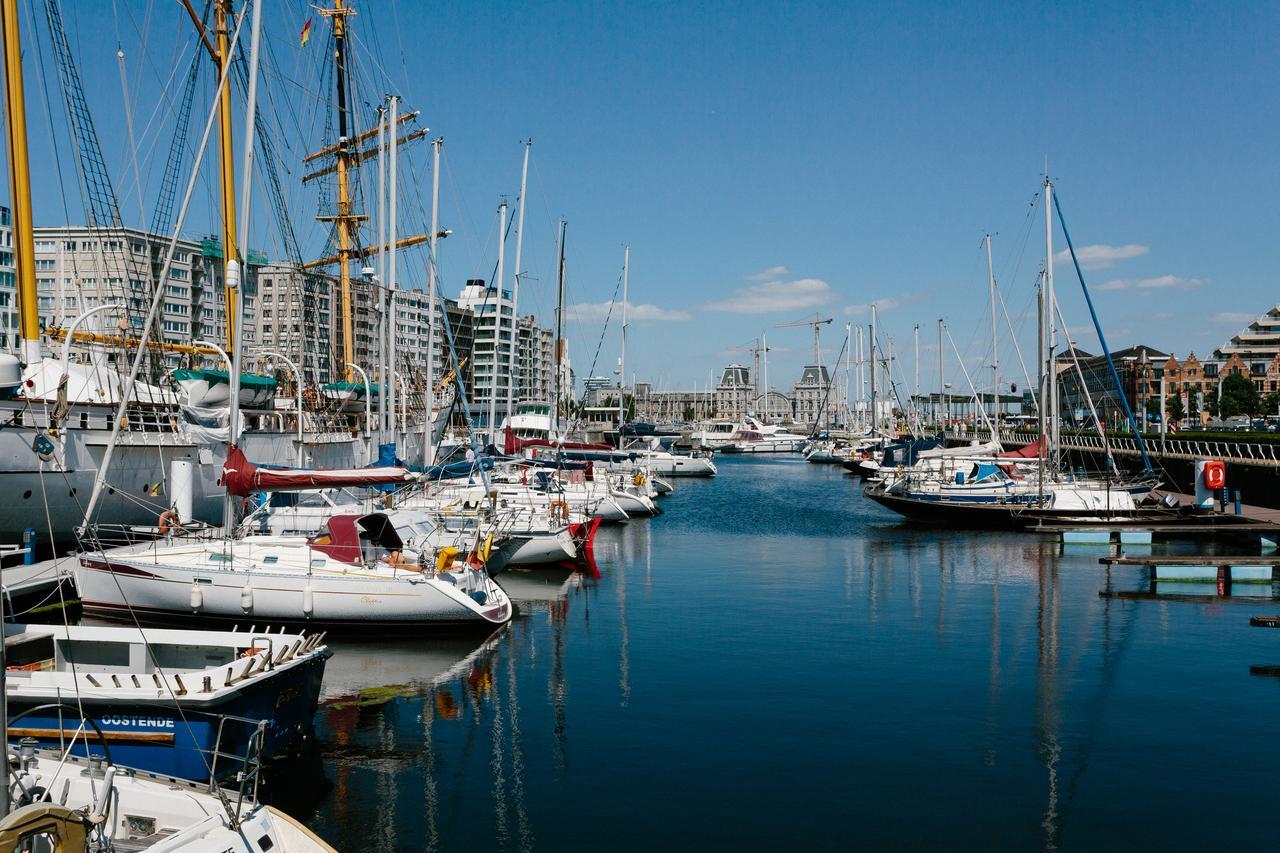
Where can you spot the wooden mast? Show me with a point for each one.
(223, 15)
(20, 186)
(345, 222)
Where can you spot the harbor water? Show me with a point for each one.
(778, 663)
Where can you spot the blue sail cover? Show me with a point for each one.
(386, 459)
(907, 452)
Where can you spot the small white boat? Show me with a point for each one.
(364, 570)
(68, 803)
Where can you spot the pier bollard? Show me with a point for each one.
(29, 542)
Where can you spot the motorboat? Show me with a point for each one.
(166, 700)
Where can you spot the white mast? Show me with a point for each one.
(995, 357)
(942, 379)
(764, 372)
(515, 290)
(382, 270)
(862, 383)
(622, 359)
(916, 396)
(392, 283)
(497, 322)
(428, 450)
(1055, 420)
(875, 416)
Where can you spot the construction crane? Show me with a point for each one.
(755, 347)
(817, 322)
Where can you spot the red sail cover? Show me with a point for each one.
(514, 445)
(1032, 451)
(242, 478)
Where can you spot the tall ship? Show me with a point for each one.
(101, 376)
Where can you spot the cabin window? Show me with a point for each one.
(220, 558)
(271, 560)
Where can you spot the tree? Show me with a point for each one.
(1239, 397)
(688, 413)
(1173, 407)
(1272, 403)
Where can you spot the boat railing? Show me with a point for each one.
(1255, 453)
(248, 772)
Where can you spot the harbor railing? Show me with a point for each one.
(1170, 447)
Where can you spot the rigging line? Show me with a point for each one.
(981, 409)
(1016, 347)
(1124, 399)
(1075, 360)
(157, 298)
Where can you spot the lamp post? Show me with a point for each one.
(297, 385)
(368, 393)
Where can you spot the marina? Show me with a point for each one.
(360, 495)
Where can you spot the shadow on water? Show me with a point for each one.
(775, 651)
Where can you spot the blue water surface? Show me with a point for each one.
(778, 663)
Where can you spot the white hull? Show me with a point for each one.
(141, 460)
(112, 584)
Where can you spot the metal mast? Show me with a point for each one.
(1055, 420)
(428, 450)
(559, 350)
(875, 419)
(392, 283)
(995, 356)
(497, 323)
(622, 359)
(515, 289)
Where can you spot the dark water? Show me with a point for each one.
(777, 663)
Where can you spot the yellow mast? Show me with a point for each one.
(20, 185)
(223, 14)
(345, 222)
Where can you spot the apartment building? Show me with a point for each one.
(8, 284)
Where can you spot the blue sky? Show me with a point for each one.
(769, 160)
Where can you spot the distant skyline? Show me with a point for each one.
(766, 161)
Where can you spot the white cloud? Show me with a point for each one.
(1162, 282)
(1100, 256)
(1233, 317)
(643, 313)
(886, 304)
(776, 296)
(771, 274)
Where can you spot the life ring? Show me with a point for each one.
(168, 521)
(1215, 474)
(560, 509)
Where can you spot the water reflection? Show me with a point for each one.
(713, 667)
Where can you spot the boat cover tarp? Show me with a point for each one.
(983, 470)
(513, 445)
(907, 452)
(242, 478)
(222, 377)
(1031, 451)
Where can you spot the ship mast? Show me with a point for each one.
(346, 223)
(223, 15)
(20, 186)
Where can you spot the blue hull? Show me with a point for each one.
(155, 737)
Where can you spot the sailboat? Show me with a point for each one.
(988, 488)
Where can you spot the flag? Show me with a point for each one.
(306, 32)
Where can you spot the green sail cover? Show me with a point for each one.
(214, 377)
(358, 387)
